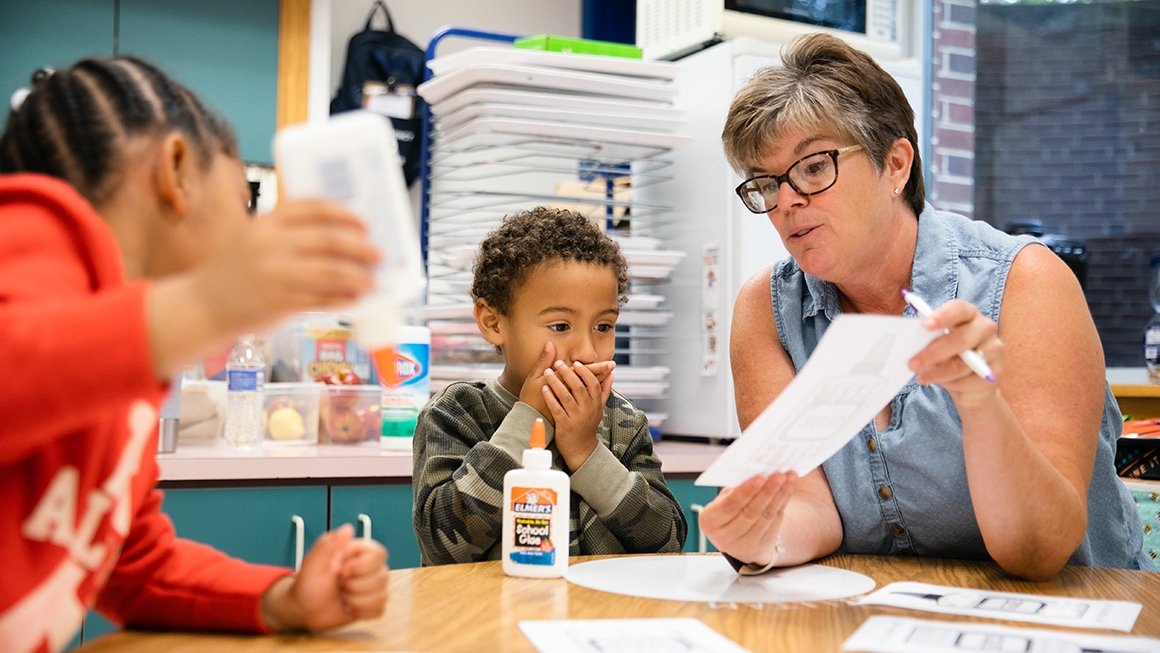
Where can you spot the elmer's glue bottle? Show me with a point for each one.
(353, 159)
(536, 500)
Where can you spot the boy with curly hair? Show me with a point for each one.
(548, 286)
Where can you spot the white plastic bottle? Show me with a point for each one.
(1152, 330)
(403, 369)
(536, 502)
(353, 158)
(245, 376)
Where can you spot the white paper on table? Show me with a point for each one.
(626, 636)
(880, 634)
(857, 367)
(1037, 608)
(710, 579)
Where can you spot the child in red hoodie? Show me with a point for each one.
(126, 253)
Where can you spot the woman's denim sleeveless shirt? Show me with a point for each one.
(904, 490)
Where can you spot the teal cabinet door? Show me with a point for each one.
(690, 495)
(95, 625)
(255, 524)
(225, 51)
(57, 34)
(387, 509)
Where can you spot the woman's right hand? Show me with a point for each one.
(744, 521)
(304, 255)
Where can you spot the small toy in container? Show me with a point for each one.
(290, 413)
(350, 414)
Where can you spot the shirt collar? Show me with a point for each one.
(508, 399)
(932, 277)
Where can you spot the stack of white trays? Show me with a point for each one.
(513, 129)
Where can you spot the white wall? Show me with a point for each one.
(419, 19)
(333, 22)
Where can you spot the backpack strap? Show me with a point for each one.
(379, 4)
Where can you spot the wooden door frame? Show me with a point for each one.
(293, 62)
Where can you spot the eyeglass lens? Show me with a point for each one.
(810, 175)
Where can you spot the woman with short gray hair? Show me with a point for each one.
(1015, 465)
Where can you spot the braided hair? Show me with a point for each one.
(75, 124)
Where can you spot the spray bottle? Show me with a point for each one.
(353, 158)
(536, 502)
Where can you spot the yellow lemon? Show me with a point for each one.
(286, 423)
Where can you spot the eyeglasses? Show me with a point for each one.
(809, 175)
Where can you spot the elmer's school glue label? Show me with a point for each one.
(535, 514)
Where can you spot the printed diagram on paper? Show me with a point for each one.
(1054, 610)
(882, 634)
(859, 364)
(681, 635)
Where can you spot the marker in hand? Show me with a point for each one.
(972, 358)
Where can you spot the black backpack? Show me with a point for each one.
(387, 67)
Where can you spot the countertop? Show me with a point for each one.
(331, 461)
(288, 462)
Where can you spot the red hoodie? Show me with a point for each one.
(82, 525)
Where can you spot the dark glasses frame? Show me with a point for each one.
(784, 178)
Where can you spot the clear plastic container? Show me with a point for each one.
(350, 414)
(203, 410)
(290, 413)
(312, 345)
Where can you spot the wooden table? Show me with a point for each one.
(474, 607)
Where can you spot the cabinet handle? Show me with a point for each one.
(702, 546)
(299, 540)
(365, 520)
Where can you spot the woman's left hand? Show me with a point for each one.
(939, 362)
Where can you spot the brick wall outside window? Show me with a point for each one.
(952, 117)
(1051, 112)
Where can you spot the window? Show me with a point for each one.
(1067, 136)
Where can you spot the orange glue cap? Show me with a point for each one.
(539, 434)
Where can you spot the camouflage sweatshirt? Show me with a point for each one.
(472, 433)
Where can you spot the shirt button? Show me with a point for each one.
(872, 445)
(897, 529)
(885, 493)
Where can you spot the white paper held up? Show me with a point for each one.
(857, 367)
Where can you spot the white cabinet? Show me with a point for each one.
(725, 243)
